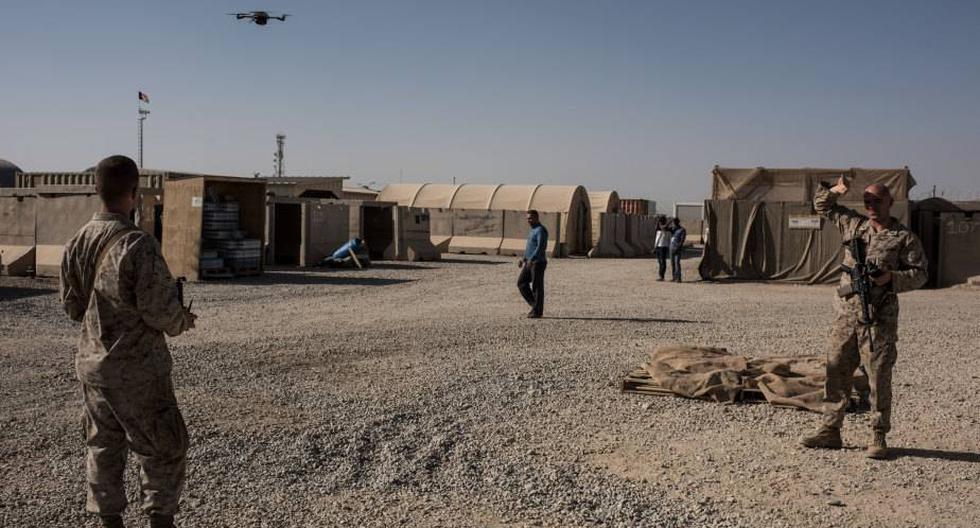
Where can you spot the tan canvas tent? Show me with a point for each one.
(571, 201)
(774, 234)
(798, 185)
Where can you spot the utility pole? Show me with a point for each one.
(280, 144)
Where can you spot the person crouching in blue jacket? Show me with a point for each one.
(535, 260)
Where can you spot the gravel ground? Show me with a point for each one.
(418, 395)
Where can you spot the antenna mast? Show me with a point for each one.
(280, 144)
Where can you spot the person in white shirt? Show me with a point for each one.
(661, 247)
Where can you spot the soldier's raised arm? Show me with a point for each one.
(156, 289)
(825, 204)
(913, 269)
(69, 286)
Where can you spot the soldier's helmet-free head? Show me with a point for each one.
(877, 202)
(532, 217)
(117, 180)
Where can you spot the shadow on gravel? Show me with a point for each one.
(399, 266)
(273, 278)
(472, 261)
(955, 456)
(14, 293)
(628, 319)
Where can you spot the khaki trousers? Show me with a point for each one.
(143, 419)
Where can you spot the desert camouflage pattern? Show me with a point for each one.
(151, 421)
(133, 303)
(125, 305)
(895, 249)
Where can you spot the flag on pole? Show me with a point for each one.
(145, 98)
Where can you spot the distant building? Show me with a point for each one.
(359, 193)
(7, 173)
(305, 186)
(637, 206)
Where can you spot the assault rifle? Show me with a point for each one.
(180, 292)
(862, 278)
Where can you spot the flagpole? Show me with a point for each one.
(142, 117)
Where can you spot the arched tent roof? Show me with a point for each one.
(572, 201)
(604, 202)
(545, 198)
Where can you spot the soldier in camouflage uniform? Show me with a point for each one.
(115, 282)
(896, 251)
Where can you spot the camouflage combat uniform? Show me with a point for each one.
(895, 249)
(125, 306)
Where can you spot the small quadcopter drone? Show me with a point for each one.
(260, 18)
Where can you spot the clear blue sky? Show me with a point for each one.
(642, 97)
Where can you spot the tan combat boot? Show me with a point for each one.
(878, 449)
(826, 438)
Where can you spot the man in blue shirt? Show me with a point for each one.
(676, 248)
(531, 281)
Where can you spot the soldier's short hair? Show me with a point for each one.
(534, 213)
(116, 177)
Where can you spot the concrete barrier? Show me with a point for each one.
(477, 232)
(413, 237)
(441, 228)
(626, 249)
(59, 217)
(17, 224)
(516, 229)
(604, 245)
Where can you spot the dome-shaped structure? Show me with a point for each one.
(7, 171)
(571, 201)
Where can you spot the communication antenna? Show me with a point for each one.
(280, 144)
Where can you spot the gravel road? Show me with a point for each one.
(418, 395)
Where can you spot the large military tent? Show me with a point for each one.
(572, 202)
(761, 224)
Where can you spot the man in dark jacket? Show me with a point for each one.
(677, 239)
(531, 280)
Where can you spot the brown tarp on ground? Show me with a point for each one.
(754, 240)
(717, 375)
(799, 185)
